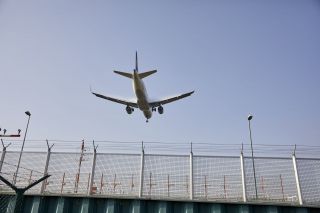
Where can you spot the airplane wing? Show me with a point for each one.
(124, 102)
(169, 100)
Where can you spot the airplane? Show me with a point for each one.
(143, 102)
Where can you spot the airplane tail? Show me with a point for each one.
(126, 74)
(141, 75)
(137, 61)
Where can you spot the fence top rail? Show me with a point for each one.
(217, 156)
(164, 155)
(120, 153)
(268, 158)
(29, 152)
(318, 159)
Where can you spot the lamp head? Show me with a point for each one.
(28, 113)
(250, 117)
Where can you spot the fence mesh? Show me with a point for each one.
(70, 173)
(9, 167)
(117, 175)
(309, 174)
(217, 178)
(31, 169)
(164, 177)
(6, 201)
(275, 179)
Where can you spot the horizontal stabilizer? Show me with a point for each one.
(145, 74)
(128, 75)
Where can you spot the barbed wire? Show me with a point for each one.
(166, 147)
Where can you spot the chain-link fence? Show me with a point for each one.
(6, 201)
(284, 180)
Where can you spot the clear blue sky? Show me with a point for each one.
(241, 57)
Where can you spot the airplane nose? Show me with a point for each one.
(147, 114)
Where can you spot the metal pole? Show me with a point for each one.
(45, 172)
(224, 186)
(168, 182)
(150, 184)
(62, 182)
(281, 185)
(205, 187)
(141, 172)
(243, 178)
(76, 184)
(101, 183)
(254, 169)
(2, 157)
(4, 151)
(24, 139)
(92, 168)
(297, 178)
(191, 174)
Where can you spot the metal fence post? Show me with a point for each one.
(92, 168)
(43, 186)
(243, 178)
(2, 157)
(191, 174)
(141, 172)
(297, 178)
(4, 150)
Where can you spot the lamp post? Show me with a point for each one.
(254, 169)
(24, 139)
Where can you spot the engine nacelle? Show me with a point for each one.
(129, 110)
(160, 110)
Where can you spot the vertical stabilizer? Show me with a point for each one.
(136, 61)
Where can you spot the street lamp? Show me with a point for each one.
(254, 170)
(24, 139)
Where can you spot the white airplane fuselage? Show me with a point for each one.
(142, 95)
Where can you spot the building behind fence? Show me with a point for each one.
(283, 180)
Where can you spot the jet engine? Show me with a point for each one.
(129, 109)
(160, 110)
